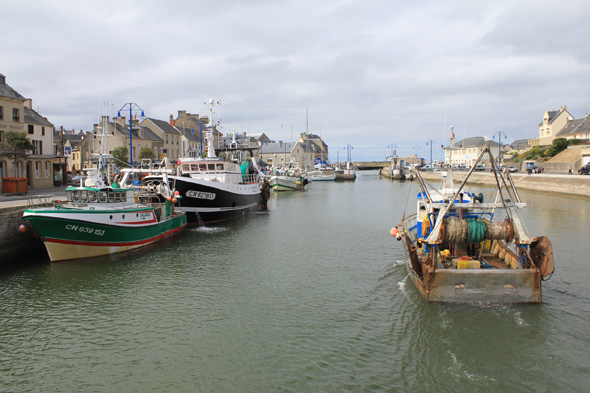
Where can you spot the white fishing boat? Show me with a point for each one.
(322, 174)
(458, 251)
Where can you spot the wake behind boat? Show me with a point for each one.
(456, 252)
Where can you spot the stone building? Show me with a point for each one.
(553, 122)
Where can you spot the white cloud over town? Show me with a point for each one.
(371, 73)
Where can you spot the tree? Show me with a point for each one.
(559, 145)
(16, 144)
(146, 152)
(121, 156)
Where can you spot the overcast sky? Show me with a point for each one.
(371, 73)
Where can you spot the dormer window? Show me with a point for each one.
(15, 115)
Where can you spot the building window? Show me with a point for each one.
(1, 113)
(37, 170)
(36, 143)
(31, 129)
(166, 138)
(46, 169)
(43, 131)
(15, 115)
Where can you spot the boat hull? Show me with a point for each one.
(479, 285)
(66, 237)
(206, 201)
(467, 285)
(286, 183)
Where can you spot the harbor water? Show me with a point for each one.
(310, 296)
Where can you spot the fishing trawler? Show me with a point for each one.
(100, 218)
(457, 251)
(216, 188)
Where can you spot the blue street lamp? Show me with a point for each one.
(499, 133)
(131, 106)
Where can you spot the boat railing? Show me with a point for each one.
(231, 178)
(34, 201)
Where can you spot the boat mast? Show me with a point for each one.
(210, 138)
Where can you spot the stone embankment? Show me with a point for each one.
(563, 184)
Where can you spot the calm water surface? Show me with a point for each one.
(308, 297)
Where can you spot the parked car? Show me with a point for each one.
(510, 169)
(585, 170)
(534, 169)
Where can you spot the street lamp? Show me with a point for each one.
(348, 154)
(131, 106)
(392, 146)
(430, 142)
(499, 133)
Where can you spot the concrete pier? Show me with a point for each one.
(558, 183)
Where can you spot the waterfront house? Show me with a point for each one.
(576, 129)
(17, 114)
(40, 161)
(466, 151)
(553, 122)
(172, 148)
(197, 123)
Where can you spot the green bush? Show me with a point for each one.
(572, 142)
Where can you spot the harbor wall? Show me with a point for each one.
(16, 246)
(563, 184)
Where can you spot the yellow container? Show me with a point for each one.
(468, 264)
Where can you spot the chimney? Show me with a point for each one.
(181, 114)
(172, 120)
(28, 103)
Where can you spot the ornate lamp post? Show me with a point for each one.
(499, 133)
(131, 106)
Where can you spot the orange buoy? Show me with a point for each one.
(394, 231)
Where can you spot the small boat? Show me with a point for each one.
(101, 219)
(215, 189)
(456, 252)
(288, 179)
(322, 174)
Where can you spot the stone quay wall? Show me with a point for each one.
(563, 184)
(16, 246)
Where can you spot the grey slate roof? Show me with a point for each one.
(520, 144)
(147, 134)
(275, 148)
(475, 141)
(32, 117)
(7, 91)
(575, 126)
(187, 132)
(165, 126)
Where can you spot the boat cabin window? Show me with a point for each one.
(211, 167)
(219, 167)
(91, 196)
(203, 167)
(111, 197)
(83, 196)
(194, 168)
(102, 196)
(186, 168)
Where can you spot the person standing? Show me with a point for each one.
(570, 170)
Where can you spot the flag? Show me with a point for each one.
(193, 131)
(453, 133)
